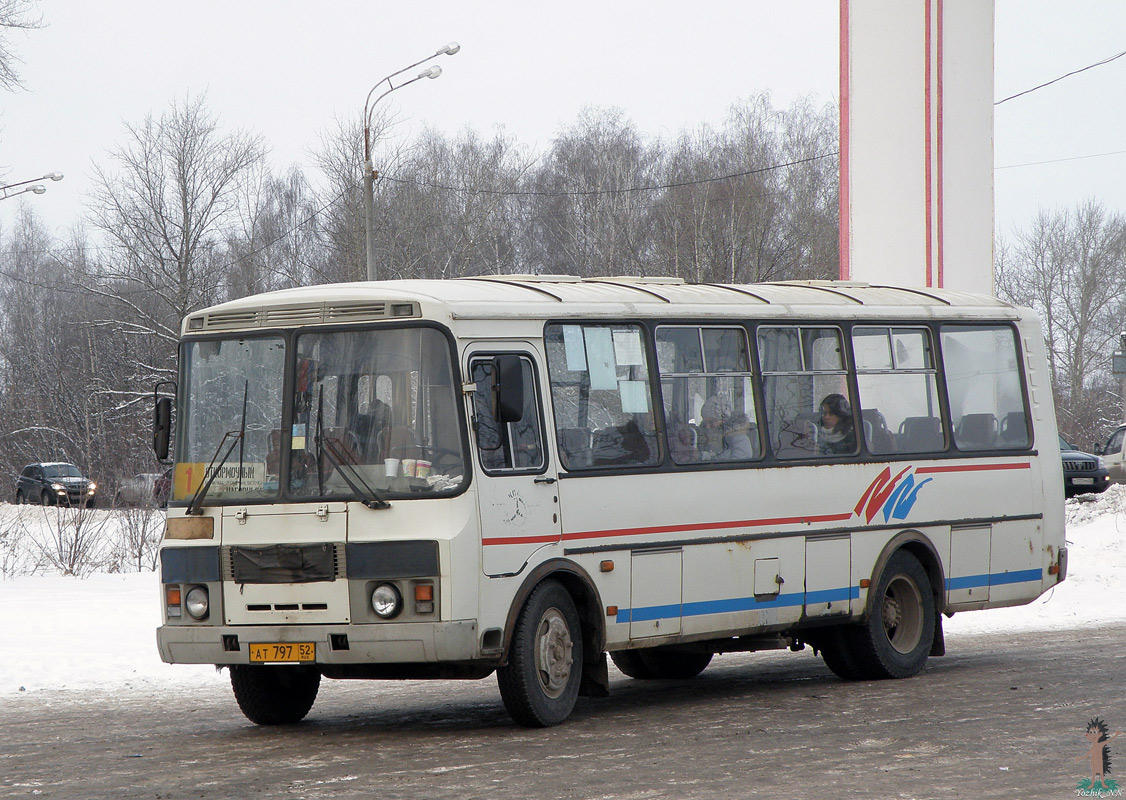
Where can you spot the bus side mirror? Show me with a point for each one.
(162, 427)
(510, 388)
(1097, 449)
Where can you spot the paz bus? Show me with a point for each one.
(524, 474)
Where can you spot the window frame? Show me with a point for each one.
(941, 412)
(538, 402)
(750, 374)
(645, 327)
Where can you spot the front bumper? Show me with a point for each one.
(1086, 482)
(387, 643)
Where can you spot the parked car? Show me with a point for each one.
(140, 490)
(1083, 473)
(1114, 454)
(162, 488)
(52, 483)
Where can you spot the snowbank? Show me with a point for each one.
(99, 632)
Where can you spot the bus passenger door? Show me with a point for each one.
(828, 576)
(516, 487)
(656, 593)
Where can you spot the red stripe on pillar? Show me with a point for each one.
(844, 213)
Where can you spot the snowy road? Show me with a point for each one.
(999, 716)
(87, 710)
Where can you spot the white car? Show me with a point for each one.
(136, 491)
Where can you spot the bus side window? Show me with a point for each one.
(707, 393)
(987, 402)
(506, 446)
(898, 382)
(601, 395)
(804, 374)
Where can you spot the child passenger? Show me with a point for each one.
(737, 445)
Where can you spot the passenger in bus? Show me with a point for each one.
(368, 425)
(713, 418)
(837, 435)
(621, 444)
(682, 443)
(737, 440)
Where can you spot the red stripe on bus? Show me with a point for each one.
(703, 526)
(699, 526)
(522, 540)
(973, 467)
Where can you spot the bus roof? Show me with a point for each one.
(562, 296)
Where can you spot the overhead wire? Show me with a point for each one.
(1061, 77)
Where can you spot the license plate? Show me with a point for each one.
(1083, 481)
(283, 652)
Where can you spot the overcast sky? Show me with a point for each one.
(288, 69)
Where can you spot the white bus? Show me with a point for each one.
(521, 474)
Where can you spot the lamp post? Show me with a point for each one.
(6, 190)
(369, 170)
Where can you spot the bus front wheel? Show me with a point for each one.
(896, 639)
(274, 695)
(540, 682)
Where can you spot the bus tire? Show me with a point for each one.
(540, 682)
(274, 695)
(835, 647)
(632, 665)
(896, 639)
(659, 663)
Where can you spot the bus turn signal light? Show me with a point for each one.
(424, 598)
(172, 600)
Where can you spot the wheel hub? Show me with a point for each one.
(892, 614)
(553, 653)
(902, 614)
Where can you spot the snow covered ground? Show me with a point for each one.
(99, 632)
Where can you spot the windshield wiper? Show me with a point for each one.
(326, 445)
(237, 437)
(196, 506)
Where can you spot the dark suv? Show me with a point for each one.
(1082, 472)
(55, 483)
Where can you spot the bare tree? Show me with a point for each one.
(15, 15)
(592, 210)
(1070, 266)
(280, 238)
(167, 210)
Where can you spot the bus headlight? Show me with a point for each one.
(386, 601)
(196, 602)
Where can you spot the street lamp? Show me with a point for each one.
(6, 191)
(369, 170)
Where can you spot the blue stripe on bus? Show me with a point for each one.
(994, 579)
(734, 604)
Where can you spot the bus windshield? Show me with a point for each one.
(232, 386)
(372, 414)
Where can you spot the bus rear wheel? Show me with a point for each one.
(274, 695)
(897, 637)
(658, 663)
(540, 682)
